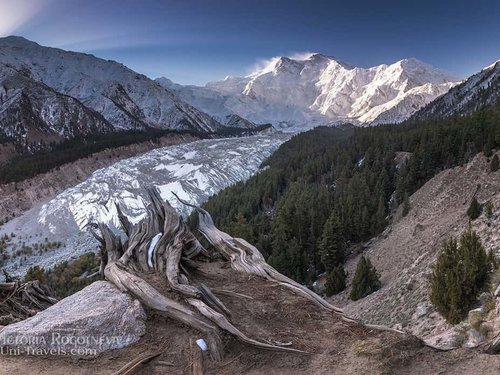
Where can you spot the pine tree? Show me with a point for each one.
(332, 244)
(280, 238)
(35, 273)
(487, 149)
(460, 273)
(240, 228)
(366, 279)
(297, 262)
(494, 163)
(474, 209)
(335, 280)
(379, 221)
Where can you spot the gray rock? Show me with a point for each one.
(422, 310)
(452, 338)
(497, 291)
(96, 319)
(474, 339)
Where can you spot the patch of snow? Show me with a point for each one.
(152, 245)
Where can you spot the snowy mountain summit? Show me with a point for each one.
(318, 89)
(480, 90)
(48, 94)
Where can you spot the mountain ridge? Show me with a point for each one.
(112, 94)
(320, 90)
(479, 90)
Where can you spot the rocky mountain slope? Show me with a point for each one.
(48, 94)
(194, 171)
(481, 89)
(32, 112)
(320, 90)
(405, 252)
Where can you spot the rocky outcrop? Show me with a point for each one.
(96, 319)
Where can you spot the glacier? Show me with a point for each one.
(194, 171)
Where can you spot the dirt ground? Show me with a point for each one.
(275, 314)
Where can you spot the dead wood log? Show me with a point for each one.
(19, 301)
(159, 244)
(149, 296)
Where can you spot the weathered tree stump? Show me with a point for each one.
(162, 243)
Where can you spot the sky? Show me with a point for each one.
(197, 41)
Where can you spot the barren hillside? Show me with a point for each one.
(405, 252)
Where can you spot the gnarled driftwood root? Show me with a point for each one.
(162, 243)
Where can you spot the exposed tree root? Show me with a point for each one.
(162, 243)
(246, 258)
(19, 301)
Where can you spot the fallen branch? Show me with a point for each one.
(230, 293)
(19, 301)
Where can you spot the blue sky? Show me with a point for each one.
(196, 41)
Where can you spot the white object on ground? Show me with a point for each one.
(152, 245)
(202, 344)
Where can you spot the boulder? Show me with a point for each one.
(96, 319)
(475, 317)
(422, 310)
(450, 339)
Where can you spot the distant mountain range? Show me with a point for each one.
(48, 95)
(320, 90)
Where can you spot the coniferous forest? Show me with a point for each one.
(325, 191)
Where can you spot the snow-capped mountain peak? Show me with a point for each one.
(481, 89)
(315, 89)
(107, 94)
(492, 66)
